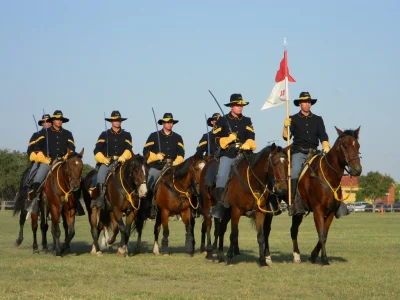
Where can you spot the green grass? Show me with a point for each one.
(363, 249)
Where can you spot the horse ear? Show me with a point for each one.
(82, 151)
(358, 130)
(287, 148)
(339, 132)
(273, 146)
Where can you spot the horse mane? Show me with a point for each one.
(350, 132)
(265, 151)
(74, 154)
(182, 169)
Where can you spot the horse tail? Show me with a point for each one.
(22, 194)
(253, 221)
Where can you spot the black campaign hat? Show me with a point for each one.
(45, 118)
(115, 116)
(304, 96)
(58, 115)
(236, 99)
(167, 118)
(214, 117)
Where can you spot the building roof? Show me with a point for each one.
(346, 181)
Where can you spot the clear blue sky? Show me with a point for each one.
(91, 57)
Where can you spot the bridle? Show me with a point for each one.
(348, 161)
(272, 165)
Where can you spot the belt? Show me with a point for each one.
(234, 146)
(168, 160)
(307, 150)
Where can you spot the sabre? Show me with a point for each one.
(105, 125)
(34, 119)
(47, 138)
(208, 137)
(158, 134)
(229, 125)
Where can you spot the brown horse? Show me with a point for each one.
(63, 179)
(125, 188)
(257, 181)
(321, 191)
(207, 177)
(174, 195)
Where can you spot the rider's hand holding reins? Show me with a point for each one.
(125, 156)
(249, 145)
(155, 157)
(225, 141)
(100, 158)
(32, 157)
(178, 160)
(326, 147)
(40, 158)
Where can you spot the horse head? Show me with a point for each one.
(139, 174)
(347, 149)
(277, 168)
(197, 166)
(73, 168)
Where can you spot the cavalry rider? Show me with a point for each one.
(52, 143)
(45, 123)
(203, 143)
(115, 144)
(163, 147)
(307, 130)
(240, 138)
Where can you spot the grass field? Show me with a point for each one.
(364, 252)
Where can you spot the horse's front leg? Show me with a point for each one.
(267, 231)
(22, 219)
(115, 229)
(157, 227)
(44, 227)
(139, 223)
(319, 225)
(203, 236)
(322, 237)
(294, 231)
(209, 256)
(130, 217)
(55, 229)
(234, 237)
(260, 219)
(70, 221)
(223, 223)
(34, 218)
(189, 238)
(164, 222)
(122, 248)
(217, 226)
(94, 230)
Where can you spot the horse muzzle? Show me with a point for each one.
(142, 191)
(355, 170)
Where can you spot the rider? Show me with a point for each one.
(203, 143)
(45, 123)
(307, 130)
(162, 148)
(113, 144)
(239, 134)
(51, 144)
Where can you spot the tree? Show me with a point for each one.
(397, 192)
(86, 169)
(374, 186)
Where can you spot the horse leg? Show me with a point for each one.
(115, 230)
(44, 226)
(217, 224)
(34, 218)
(267, 231)
(327, 224)
(322, 229)
(164, 222)
(122, 249)
(70, 221)
(186, 219)
(139, 223)
(22, 219)
(130, 217)
(55, 229)
(260, 220)
(294, 230)
(157, 227)
(65, 224)
(221, 232)
(209, 256)
(234, 233)
(203, 236)
(94, 230)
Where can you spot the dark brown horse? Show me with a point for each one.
(207, 177)
(174, 195)
(63, 179)
(125, 188)
(321, 191)
(257, 181)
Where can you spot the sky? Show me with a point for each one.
(88, 58)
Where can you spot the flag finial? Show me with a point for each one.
(284, 43)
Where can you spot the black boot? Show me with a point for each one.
(150, 209)
(342, 211)
(297, 208)
(33, 205)
(99, 201)
(79, 211)
(219, 209)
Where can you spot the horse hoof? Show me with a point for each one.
(312, 260)
(189, 254)
(296, 258)
(35, 251)
(209, 260)
(18, 242)
(268, 260)
(99, 253)
(325, 263)
(165, 254)
(93, 251)
(121, 252)
(264, 267)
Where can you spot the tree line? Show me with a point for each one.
(12, 165)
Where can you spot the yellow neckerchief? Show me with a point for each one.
(128, 195)
(334, 191)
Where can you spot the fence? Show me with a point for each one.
(7, 204)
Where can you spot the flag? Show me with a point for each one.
(278, 94)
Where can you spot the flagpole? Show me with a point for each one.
(287, 116)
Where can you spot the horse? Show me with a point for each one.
(125, 188)
(257, 181)
(63, 180)
(207, 200)
(174, 195)
(20, 202)
(100, 219)
(320, 189)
